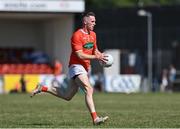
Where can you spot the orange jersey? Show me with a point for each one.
(85, 42)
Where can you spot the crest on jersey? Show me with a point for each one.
(88, 45)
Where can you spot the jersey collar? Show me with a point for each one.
(83, 31)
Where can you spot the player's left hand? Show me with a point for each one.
(100, 56)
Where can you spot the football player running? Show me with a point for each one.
(84, 49)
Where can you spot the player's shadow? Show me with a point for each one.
(38, 124)
(48, 124)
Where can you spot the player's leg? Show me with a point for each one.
(64, 91)
(83, 81)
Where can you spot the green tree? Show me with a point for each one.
(128, 3)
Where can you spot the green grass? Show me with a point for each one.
(125, 111)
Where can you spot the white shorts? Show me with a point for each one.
(76, 69)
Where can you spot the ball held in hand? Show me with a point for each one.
(109, 61)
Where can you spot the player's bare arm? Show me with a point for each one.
(97, 55)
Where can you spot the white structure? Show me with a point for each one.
(114, 81)
(42, 5)
(115, 68)
(41, 24)
(122, 83)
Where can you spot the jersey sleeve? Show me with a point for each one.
(76, 42)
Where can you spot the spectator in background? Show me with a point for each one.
(97, 82)
(57, 67)
(39, 57)
(1, 84)
(172, 75)
(164, 80)
(23, 84)
(57, 71)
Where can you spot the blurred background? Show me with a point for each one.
(142, 36)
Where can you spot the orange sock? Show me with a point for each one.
(93, 115)
(44, 88)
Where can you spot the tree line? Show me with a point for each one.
(129, 3)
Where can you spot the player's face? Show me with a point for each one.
(90, 23)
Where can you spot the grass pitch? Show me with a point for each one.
(125, 111)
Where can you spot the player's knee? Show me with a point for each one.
(89, 90)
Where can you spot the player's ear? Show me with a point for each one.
(85, 20)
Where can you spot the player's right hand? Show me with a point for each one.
(101, 56)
